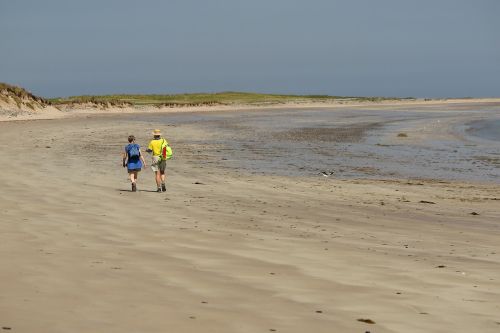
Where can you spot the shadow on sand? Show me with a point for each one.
(128, 190)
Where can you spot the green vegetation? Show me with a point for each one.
(223, 98)
(21, 96)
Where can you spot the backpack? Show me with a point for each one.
(133, 151)
(166, 152)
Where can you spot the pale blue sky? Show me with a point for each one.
(421, 48)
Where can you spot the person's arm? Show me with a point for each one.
(142, 159)
(150, 147)
(124, 159)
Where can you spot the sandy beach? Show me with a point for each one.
(244, 242)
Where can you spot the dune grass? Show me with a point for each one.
(19, 94)
(222, 98)
(194, 99)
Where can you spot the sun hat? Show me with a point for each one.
(156, 132)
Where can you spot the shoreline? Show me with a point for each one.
(83, 110)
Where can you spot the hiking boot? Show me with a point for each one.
(134, 187)
(163, 188)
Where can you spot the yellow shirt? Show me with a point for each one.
(155, 146)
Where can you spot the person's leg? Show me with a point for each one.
(163, 176)
(158, 181)
(132, 176)
(134, 183)
(156, 169)
(162, 179)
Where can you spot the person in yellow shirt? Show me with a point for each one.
(158, 164)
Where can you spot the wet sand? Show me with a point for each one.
(396, 143)
(233, 246)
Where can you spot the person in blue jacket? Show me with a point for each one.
(133, 160)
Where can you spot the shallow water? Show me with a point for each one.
(346, 143)
(488, 129)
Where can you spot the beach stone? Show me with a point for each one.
(427, 202)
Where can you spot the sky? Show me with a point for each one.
(400, 48)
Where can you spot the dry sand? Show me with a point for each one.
(225, 251)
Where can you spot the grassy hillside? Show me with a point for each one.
(223, 98)
(21, 95)
(188, 99)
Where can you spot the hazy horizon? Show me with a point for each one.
(444, 48)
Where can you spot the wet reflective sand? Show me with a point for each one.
(417, 143)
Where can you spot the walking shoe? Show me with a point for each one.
(158, 190)
(163, 188)
(134, 187)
